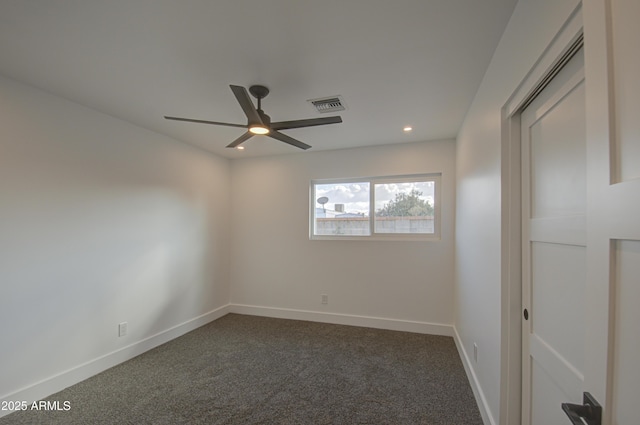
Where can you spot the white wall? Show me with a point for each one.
(478, 190)
(101, 222)
(276, 268)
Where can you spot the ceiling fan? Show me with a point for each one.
(259, 123)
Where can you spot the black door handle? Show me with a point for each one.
(590, 411)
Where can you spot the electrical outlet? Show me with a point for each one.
(325, 299)
(122, 329)
(475, 352)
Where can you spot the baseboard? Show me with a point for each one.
(344, 319)
(58, 382)
(481, 400)
(53, 384)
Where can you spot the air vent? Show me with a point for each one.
(328, 104)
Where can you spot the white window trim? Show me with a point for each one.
(373, 236)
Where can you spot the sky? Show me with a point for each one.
(355, 195)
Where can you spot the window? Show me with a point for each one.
(397, 207)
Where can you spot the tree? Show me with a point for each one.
(406, 204)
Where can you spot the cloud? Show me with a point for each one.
(354, 196)
(386, 192)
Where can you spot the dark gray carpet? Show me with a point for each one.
(255, 370)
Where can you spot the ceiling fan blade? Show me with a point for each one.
(283, 125)
(290, 140)
(206, 122)
(246, 136)
(246, 104)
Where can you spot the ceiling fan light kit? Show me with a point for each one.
(258, 129)
(259, 123)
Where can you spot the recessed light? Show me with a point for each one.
(240, 148)
(407, 129)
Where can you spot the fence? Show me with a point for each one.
(359, 226)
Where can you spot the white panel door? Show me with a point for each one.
(612, 352)
(581, 240)
(554, 197)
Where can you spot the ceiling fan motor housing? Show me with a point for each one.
(266, 119)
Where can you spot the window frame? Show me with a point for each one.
(436, 178)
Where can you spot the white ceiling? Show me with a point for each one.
(395, 62)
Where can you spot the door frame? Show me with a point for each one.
(544, 69)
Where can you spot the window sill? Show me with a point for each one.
(377, 238)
